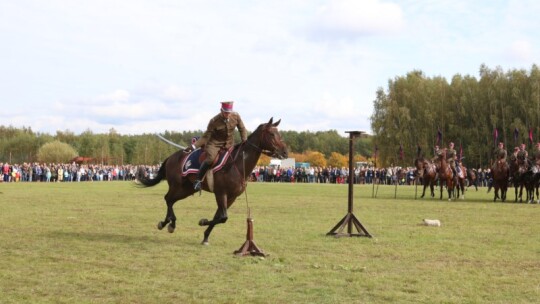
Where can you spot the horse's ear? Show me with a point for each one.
(277, 123)
(271, 120)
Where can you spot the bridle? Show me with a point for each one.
(261, 150)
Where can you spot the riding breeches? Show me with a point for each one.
(211, 153)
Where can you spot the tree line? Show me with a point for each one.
(19, 145)
(416, 112)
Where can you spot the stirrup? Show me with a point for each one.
(198, 185)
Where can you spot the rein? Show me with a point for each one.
(265, 152)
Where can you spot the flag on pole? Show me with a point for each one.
(516, 135)
(400, 152)
(495, 136)
(439, 137)
(530, 136)
(460, 153)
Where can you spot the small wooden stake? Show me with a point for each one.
(249, 247)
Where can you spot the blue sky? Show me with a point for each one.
(145, 66)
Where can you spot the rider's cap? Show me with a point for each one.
(227, 106)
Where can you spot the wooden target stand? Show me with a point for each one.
(350, 219)
(249, 247)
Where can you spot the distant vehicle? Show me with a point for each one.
(302, 165)
(361, 164)
(282, 163)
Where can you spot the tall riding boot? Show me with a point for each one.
(202, 173)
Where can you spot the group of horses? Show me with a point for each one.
(524, 174)
(431, 173)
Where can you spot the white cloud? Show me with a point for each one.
(149, 65)
(520, 50)
(352, 18)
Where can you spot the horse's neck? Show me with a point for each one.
(246, 157)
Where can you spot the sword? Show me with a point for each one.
(169, 142)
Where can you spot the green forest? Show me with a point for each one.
(407, 115)
(474, 113)
(19, 145)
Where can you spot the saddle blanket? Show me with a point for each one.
(192, 163)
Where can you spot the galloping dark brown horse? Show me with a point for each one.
(501, 172)
(229, 182)
(427, 171)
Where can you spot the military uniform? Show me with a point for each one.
(220, 134)
(537, 155)
(500, 153)
(451, 158)
(522, 156)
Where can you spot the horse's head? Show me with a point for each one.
(268, 140)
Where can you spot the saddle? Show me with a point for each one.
(192, 162)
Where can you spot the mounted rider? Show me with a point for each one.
(523, 156)
(499, 154)
(437, 152)
(537, 154)
(451, 157)
(218, 135)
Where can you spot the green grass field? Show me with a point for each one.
(98, 243)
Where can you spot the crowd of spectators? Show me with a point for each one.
(43, 172)
(49, 172)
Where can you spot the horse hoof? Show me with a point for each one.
(170, 228)
(203, 222)
(205, 243)
(160, 225)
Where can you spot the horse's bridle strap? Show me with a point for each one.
(265, 152)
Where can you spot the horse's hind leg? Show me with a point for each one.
(170, 219)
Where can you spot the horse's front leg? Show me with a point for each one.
(424, 192)
(219, 217)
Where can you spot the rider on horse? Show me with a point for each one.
(499, 154)
(437, 154)
(522, 156)
(451, 157)
(513, 156)
(218, 135)
(537, 154)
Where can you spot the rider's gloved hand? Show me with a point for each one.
(189, 148)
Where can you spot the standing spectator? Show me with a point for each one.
(5, 172)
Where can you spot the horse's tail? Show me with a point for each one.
(144, 181)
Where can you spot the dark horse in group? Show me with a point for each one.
(446, 176)
(229, 182)
(427, 172)
(501, 173)
(460, 180)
